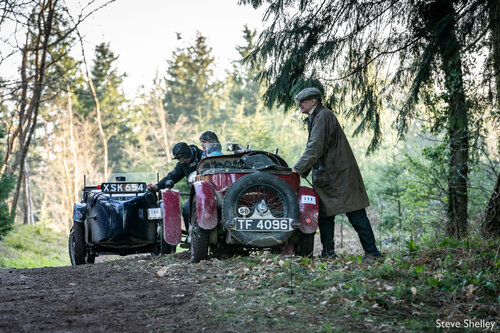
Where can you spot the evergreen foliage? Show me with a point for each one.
(6, 222)
(348, 48)
(6, 186)
(244, 88)
(118, 121)
(190, 86)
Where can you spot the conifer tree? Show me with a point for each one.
(190, 84)
(244, 86)
(6, 186)
(346, 48)
(117, 121)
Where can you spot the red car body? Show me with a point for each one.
(216, 176)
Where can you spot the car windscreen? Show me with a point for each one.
(123, 177)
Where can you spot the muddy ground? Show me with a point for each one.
(124, 295)
(131, 294)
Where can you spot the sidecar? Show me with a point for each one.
(117, 215)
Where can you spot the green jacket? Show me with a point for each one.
(335, 172)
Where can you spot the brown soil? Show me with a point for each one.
(125, 295)
(135, 294)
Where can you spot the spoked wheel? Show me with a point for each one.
(305, 246)
(256, 193)
(77, 244)
(198, 236)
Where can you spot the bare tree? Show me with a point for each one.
(104, 138)
(45, 25)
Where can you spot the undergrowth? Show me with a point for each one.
(452, 281)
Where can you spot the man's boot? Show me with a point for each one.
(327, 232)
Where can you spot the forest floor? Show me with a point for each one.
(261, 292)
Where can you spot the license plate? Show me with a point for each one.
(123, 187)
(263, 224)
(154, 213)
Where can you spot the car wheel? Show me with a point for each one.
(77, 244)
(165, 248)
(199, 238)
(249, 191)
(305, 246)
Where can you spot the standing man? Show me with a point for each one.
(335, 174)
(189, 157)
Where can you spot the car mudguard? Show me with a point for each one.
(309, 209)
(171, 203)
(79, 212)
(206, 205)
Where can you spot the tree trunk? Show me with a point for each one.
(46, 15)
(72, 145)
(341, 235)
(441, 21)
(104, 139)
(494, 16)
(25, 203)
(27, 198)
(491, 224)
(161, 116)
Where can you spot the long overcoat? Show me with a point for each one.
(335, 172)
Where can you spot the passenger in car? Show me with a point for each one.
(335, 174)
(210, 144)
(189, 157)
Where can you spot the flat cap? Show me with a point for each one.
(181, 149)
(308, 93)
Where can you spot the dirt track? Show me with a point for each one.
(116, 296)
(127, 295)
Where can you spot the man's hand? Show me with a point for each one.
(152, 188)
(169, 184)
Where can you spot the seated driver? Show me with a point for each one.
(189, 157)
(210, 144)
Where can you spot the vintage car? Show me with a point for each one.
(247, 199)
(117, 215)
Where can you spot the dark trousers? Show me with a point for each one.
(185, 214)
(361, 224)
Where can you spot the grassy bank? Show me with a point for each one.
(452, 281)
(30, 246)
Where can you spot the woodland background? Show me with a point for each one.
(417, 95)
(416, 87)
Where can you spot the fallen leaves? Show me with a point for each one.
(161, 272)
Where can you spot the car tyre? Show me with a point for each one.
(165, 248)
(199, 238)
(285, 199)
(77, 244)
